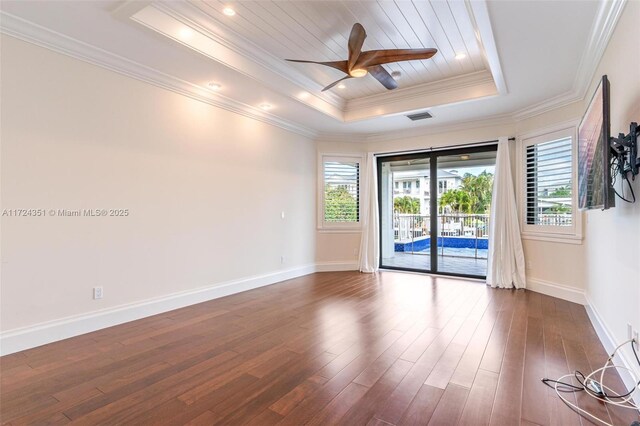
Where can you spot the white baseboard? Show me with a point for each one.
(336, 266)
(40, 334)
(563, 292)
(609, 343)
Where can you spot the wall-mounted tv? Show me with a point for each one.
(595, 190)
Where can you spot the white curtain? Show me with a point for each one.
(369, 245)
(506, 267)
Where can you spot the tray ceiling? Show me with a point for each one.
(259, 35)
(319, 30)
(521, 58)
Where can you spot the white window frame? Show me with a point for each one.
(562, 234)
(338, 227)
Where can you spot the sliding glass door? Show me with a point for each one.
(436, 225)
(405, 212)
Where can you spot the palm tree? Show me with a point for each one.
(479, 190)
(458, 200)
(406, 204)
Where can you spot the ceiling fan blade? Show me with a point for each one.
(380, 74)
(356, 39)
(339, 65)
(336, 82)
(379, 57)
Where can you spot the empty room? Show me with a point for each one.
(345, 212)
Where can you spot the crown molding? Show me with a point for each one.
(419, 98)
(420, 91)
(547, 105)
(604, 25)
(190, 15)
(341, 137)
(32, 33)
(501, 120)
(609, 13)
(231, 49)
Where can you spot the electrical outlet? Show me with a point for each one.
(629, 331)
(282, 215)
(97, 292)
(355, 251)
(281, 259)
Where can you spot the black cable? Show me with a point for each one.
(635, 353)
(571, 387)
(616, 169)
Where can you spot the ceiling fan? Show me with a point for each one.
(361, 63)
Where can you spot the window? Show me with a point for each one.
(549, 183)
(442, 186)
(417, 184)
(548, 187)
(340, 192)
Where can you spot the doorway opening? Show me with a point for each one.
(436, 225)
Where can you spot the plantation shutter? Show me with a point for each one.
(549, 183)
(341, 191)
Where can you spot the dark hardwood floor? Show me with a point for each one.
(328, 348)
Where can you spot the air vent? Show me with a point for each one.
(419, 116)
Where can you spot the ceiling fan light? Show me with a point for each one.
(358, 72)
(465, 157)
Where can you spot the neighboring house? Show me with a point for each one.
(416, 184)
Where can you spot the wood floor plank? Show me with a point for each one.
(327, 348)
(422, 406)
(450, 406)
(362, 411)
(469, 364)
(534, 409)
(338, 407)
(285, 404)
(479, 404)
(494, 352)
(507, 409)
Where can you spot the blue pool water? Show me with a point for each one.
(450, 244)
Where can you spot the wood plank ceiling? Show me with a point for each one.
(318, 30)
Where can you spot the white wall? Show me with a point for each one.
(343, 248)
(547, 262)
(204, 187)
(612, 237)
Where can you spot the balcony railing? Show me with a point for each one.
(410, 228)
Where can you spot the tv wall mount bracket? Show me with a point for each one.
(625, 148)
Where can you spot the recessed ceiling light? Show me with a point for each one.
(185, 33)
(465, 157)
(228, 11)
(303, 95)
(461, 56)
(341, 86)
(396, 74)
(266, 106)
(214, 86)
